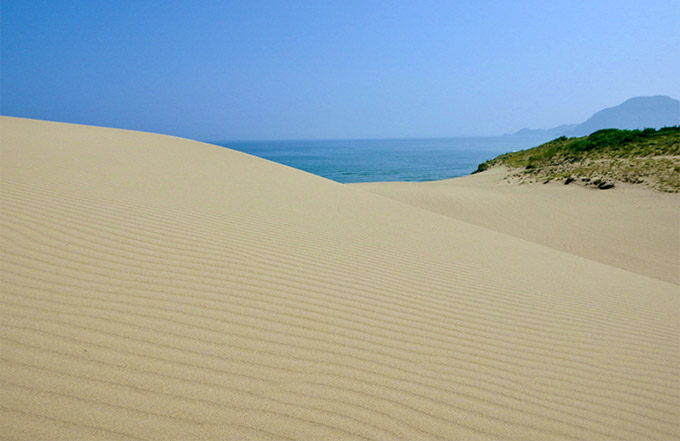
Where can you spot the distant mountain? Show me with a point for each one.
(552, 133)
(636, 113)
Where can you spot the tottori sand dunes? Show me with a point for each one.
(156, 288)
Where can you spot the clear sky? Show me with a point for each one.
(255, 69)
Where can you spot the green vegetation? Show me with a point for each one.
(605, 157)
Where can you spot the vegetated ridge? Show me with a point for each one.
(602, 159)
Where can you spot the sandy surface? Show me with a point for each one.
(630, 227)
(156, 288)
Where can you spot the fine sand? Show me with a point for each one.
(156, 288)
(629, 227)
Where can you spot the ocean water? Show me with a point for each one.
(373, 160)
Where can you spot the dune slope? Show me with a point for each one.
(630, 227)
(159, 288)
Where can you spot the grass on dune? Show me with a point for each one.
(602, 159)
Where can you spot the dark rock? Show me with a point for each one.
(605, 185)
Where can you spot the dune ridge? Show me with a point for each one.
(160, 288)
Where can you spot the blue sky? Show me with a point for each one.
(229, 70)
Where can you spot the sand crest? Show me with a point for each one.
(156, 288)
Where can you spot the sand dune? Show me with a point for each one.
(632, 227)
(159, 288)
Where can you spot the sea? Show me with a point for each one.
(377, 160)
